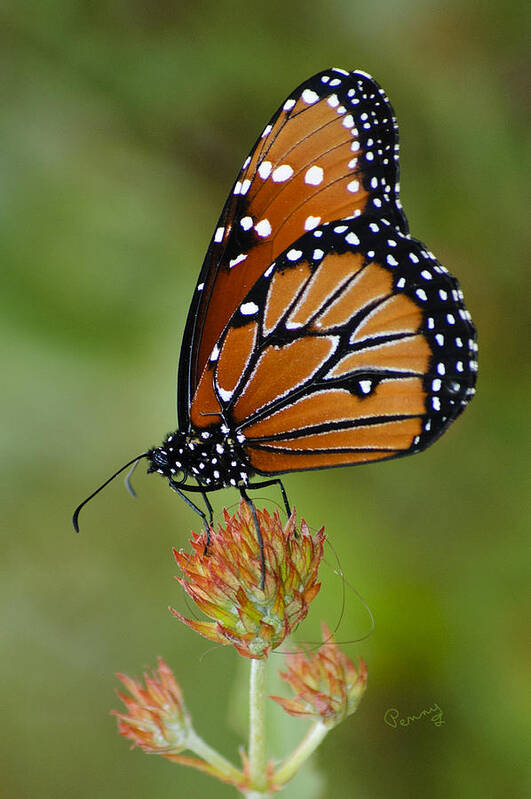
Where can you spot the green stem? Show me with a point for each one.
(199, 747)
(307, 746)
(257, 732)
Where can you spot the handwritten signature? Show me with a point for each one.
(434, 714)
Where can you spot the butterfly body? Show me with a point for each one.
(215, 458)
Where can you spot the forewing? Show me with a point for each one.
(329, 152)
(355, 345)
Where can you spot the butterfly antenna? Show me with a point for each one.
(102, 486)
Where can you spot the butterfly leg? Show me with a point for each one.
(194, 507)
(210, 520)
(208, 507)
(278, 482)
(252, 508)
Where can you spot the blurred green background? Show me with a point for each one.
(123, 125)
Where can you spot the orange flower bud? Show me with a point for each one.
(327, 684)
(156, 719)
(226, 580)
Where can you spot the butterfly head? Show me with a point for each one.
(171, 459)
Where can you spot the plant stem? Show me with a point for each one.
(197, 745)
(257, 732)
(307, 746)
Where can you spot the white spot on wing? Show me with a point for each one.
(293, 255)
(263, 228)
(282, 173)
(248, 308)
(309, 96)
(237, 260)
(314, 176)
(264, 170)
(311, 222)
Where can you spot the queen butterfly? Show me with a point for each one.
(320, 332)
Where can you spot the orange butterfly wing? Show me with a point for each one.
(329, 152)
(353, 346)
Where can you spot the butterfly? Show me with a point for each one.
(320, 332)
